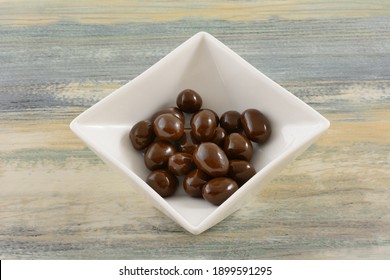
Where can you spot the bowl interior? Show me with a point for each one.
(226, 82)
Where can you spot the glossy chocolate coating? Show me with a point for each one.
(168, 127)
(211, 159)
(194, 182)
(173, 110)
(241, 171)
(219, 136)
(203, 125)
(187, 142)
(215, 114)
(237, 146)
(157, 154)
(189, 101)
(217, 190)
(256, 126)
(163, 182)
(231, 121)
(180, 163)
(141, 134)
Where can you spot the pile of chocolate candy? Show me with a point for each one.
(213, 154)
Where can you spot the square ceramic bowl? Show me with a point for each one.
(226, 82)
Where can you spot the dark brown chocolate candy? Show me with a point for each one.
(241, 171)
(203, 125)
(219, 136)
(173, 110)
(168, 127)
(217, 190)
(187, 142)
(237, 146)
(180, 163)
(157, 154)
(230, 121)
(141, 134)
(189, 101)
(256, 125)
(213, 154)
(215, 114)
(163, 182)
(211, 159)
(194, 181)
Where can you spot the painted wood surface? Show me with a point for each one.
(59, 201)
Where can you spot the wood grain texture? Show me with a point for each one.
(59, 201)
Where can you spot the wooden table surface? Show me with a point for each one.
(59, 201)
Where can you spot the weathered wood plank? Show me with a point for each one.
(24, 12)
(58, 200)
